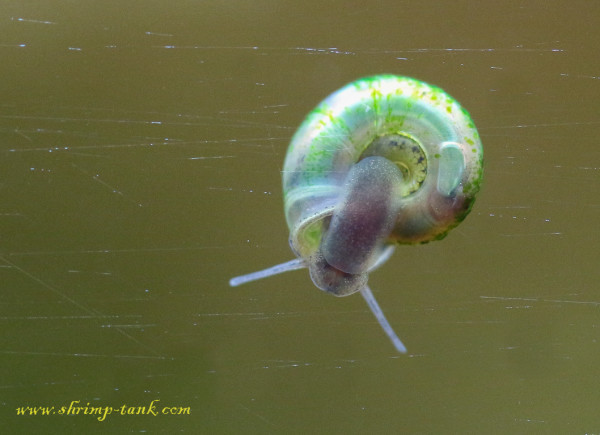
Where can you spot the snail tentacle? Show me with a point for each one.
(367, 294)
(295, 264)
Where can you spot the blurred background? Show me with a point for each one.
(141, 147)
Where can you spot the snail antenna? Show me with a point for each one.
(296, 263)
(374, 306)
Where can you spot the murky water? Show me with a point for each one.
(141, 153)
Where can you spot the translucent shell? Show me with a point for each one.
(419, 127)
(385, 160)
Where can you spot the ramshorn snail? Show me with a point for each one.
(385, 160)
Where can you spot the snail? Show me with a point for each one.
(384, 161)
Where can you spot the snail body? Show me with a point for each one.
(386, 160)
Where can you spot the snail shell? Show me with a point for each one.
(385, 160)
(419, 127)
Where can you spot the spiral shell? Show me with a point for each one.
(385, 160)
(419, 127)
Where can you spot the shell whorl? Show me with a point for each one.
(346, 127)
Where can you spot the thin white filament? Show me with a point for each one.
(374, 306)
(384, 256)
(296, 263)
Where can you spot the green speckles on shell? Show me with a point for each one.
(336, 133)
(376, 95)
(314, 168)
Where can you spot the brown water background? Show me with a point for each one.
(141, 147)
